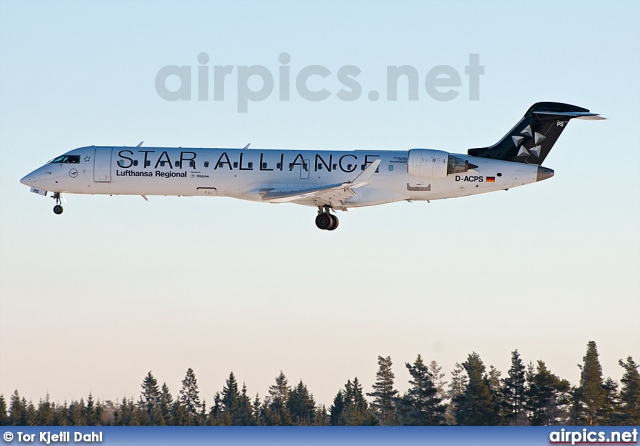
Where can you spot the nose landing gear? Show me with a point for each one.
(325, 220)
(57, 209)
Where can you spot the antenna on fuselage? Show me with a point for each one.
(246, 147)
(140, 144)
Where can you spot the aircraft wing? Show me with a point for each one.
(334, 195)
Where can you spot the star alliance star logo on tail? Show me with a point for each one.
(519, 142)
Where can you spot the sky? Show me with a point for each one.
(92, 300)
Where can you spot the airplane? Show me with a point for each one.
(328, 180)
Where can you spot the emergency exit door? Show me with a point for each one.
(102, 165)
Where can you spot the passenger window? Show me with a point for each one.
(348, 166)
(390, 167)
(135, 162)
(206, 164)
(147, 164)
(250, 165)
(235, 165)
(192, 164)
(319, 167)
(279, 166)
(177, 163)
(162, 163)
(335, 166)
(264, 165)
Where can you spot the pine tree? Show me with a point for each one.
(100, 409)
(476, 407)
(32, 415)
(179, 414)
(123, 417)
(165, 406)
(336, 411)
(90, 413)
(61, 415)
(278, 396)
(190, 398)
(128, 413)
(322, 416)
(384, 395)
(17, 410)
(257, 411)
(590, 395)
(230, 400)
(546, 395)
(265, 413)
(630, 393)
(4, 418)
(245, 409)
(77, 413)
(150, 400)
(457, 387)
(513, 393)
(301, 406)
(609, 413)
(356, 410)
(45, 412)
(494, 386)
(420, 405)
(136, 413)
(351, 410)
(437, 376)
(494, 379)
(203, 419)
(215, 412)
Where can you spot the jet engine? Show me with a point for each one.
(435, 163)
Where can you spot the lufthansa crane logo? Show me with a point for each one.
(73, 173)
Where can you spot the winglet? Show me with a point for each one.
(366, 175)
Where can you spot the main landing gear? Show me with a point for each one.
(57, 209)
(325, 220)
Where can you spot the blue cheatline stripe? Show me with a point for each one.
(423, 436)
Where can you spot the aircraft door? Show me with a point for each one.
(304, 170)
(102, 165)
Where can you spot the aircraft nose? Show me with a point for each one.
(30, 179)
(27, 180)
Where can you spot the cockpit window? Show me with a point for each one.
(66, 159)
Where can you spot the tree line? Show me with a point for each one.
(474, 396)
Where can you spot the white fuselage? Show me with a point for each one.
(248, 173)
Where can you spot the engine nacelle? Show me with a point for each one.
(435, 163)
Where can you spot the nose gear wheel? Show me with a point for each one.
(57, 209)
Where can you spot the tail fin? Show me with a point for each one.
(531, 140)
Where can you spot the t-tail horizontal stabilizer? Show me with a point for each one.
(531, 140)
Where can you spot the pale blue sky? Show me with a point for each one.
(116, 286)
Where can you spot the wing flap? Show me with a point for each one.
(282, 196)
(328, 195)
